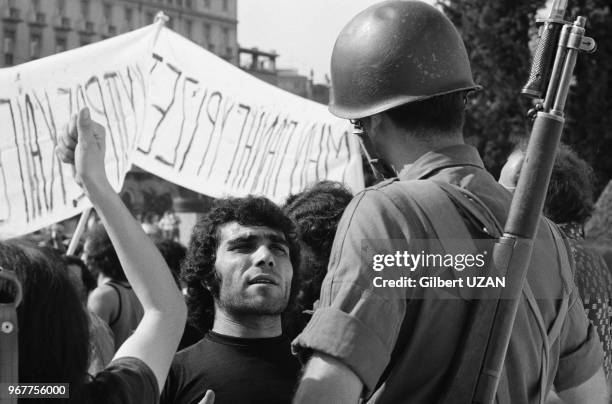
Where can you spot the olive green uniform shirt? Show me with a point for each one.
(402, 348)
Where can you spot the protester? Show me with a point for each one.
(174, 254)
(401, 71)
(169, 225)
(102, 340)
(114, 300)
(569, 202)
(239, 275)
(81, 277)
(53, 335)
(150, 226)
(316, 212)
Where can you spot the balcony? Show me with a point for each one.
(37, 19)
(12, 14)
(85, 27)
(62, 23)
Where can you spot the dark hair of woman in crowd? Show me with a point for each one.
(53, 328)
(316, 212)
(100, 251)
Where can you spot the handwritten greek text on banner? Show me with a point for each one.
(177, 111)
(217, 130)
(38, 98)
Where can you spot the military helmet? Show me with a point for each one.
(393, 53)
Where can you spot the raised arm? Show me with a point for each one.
(155, 340)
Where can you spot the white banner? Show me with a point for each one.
(177, 111)
(38, 97)
(217, 130)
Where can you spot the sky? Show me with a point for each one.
(302, 32)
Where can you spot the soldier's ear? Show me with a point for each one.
(374, 124)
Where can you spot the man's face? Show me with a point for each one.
(89, 262)
(254, 268)
(74, 273)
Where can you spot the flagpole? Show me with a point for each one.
(78, 232)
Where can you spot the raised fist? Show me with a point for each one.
(81, 144)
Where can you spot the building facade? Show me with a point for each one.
(259, 63)
(262, 65)
(31, 29)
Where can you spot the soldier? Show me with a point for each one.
(401, 72)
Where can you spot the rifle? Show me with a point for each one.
(479, 369)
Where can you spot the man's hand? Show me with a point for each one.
(209, 398)
(81, 143)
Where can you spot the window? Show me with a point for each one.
(129, 15)
(35, 45)
(61, 7)
(170, 23)
(85, 41)
(188, 28)
(85, 9)
(150, 17)
(207, 37)
(9, 47)
(225, 5)
(179, 3)
(188, 4)
(225, 36)
(61, 44)
(36, 5)
(229, 53)
(108, 11)
(207, 3)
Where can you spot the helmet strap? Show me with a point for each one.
(381, 169)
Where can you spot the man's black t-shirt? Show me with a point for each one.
(238, 370)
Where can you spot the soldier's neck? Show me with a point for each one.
(405, 149)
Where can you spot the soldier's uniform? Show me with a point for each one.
(403, 350)
(402, 343)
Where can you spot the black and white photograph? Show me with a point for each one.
(306, 201)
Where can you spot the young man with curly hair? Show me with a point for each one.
(239, 274)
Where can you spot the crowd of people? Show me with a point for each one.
(275, 304)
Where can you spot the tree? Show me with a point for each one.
(589, 109)
(497, 35)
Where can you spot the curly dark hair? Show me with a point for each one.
(569, 198)
(316, 212)
(198, 271)
(102, 253)
(570, 193)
